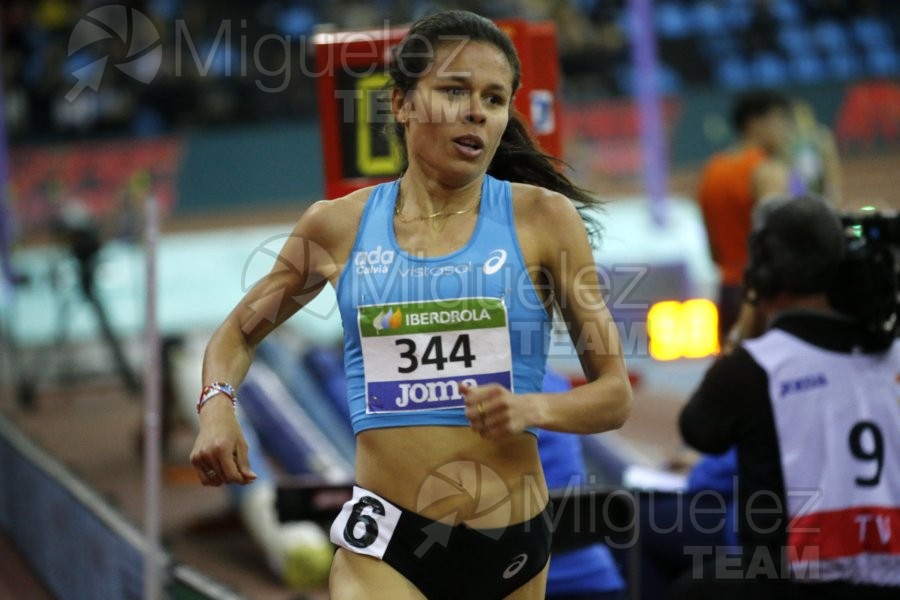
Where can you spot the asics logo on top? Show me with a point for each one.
(495, 262)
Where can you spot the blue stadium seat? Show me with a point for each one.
(883, 62)
(296, 21)
(786, 12)
(732, 73)
(709, 18)
(768, 70)
(668, 82)
(796, 41)
(672, 20)
(737, 17)
(831, 36)
(807, 68)
(844, 65)
(872, 34)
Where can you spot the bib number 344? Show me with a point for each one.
(434, 353)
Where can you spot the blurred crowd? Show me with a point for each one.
(231, 61)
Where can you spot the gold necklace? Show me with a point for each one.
(398, 208)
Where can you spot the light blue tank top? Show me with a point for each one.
(417, 327)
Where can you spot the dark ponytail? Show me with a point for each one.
(518, 158)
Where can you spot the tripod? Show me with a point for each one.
(85, 245)
(87, 268)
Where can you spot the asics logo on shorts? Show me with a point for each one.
(517, 564)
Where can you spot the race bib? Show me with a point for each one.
(365, 524)
(416, 354)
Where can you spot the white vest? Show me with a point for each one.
(837, 418)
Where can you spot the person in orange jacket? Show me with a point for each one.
(735, 180)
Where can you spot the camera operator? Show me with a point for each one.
(816, 422)
(77, 227)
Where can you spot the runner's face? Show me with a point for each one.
(457, 113)
(776, 129)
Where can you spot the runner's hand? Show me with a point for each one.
(220, 451)
(494, 412)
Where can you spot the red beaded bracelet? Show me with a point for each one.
(214, 389)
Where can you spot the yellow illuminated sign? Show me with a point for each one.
(371, 107)
(683, 329)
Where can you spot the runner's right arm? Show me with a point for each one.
(303, 267)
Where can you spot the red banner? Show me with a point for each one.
(609, 133)
(110, 179)
(869, 114)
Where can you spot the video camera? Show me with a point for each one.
(869, 284)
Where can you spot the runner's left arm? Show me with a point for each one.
(602, 404)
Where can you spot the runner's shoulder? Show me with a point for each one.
(331, 222)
